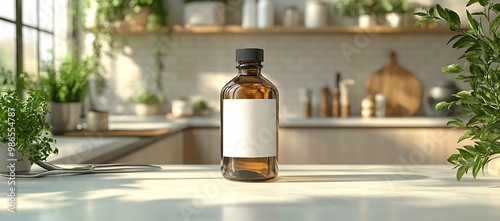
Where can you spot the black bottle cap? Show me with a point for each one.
(249, 54)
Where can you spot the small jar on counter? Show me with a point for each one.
(379, 105)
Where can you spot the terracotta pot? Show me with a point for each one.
(138, 19)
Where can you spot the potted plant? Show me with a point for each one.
(480, 103)
(400, 13)
(66, 88)
(204, 12)
(148, 103)
(24, 133)
(349, 11)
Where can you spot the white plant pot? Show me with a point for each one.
(204, 13)
(6, 161)
(147, 109)
(394, 20)
(64, 116)
(366, 21)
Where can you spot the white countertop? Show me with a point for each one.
(85, 149)
(302, 192)
(286, 122)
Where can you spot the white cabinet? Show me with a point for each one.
(168, 150)
(405, 146)
(367, 145)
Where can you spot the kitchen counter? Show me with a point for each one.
(302, 192)
(293, 122)
(85, 149)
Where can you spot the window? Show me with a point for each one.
(28, 33)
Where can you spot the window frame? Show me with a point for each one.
(19, 34)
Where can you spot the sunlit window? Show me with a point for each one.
(35, 25)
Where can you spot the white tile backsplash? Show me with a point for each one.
(202, 64)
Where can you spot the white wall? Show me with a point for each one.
(202, 64)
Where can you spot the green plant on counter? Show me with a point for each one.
(148, 97)
(480, 103)
(25, 118)
(69, 82)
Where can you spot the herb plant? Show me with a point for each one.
(481, 103)
(23, 121)
(69, 82)
(148, 97)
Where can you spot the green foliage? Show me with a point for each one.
(199, 105)
(481, 103)
(9, 80)
(223, 1)
(148, 97)
(24, 119)
(351, 8)
(69, 82)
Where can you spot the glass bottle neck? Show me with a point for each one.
(249, 68)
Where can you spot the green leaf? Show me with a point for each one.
(494, 25)
(466, 135)
(454, 20)
(471, 2)
(496, 8)
(454, 37)
(461, 171)
(441, 105)
(421, 14)
(422, 20)
(455, 122)
(452, 69)
(453, 159)
(483, 2)
(474, 25)
(465, 154)
(443, 13)
(463, 42)
(476, 167)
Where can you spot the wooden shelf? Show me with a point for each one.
(280, 30)
(234, 29)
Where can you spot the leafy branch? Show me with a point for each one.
(481, 103)
(25, 119)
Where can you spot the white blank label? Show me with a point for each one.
(249, 128)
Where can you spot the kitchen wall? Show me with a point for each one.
(202, 64)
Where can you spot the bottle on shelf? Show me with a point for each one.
(379, 105)
(324, 109)
(249, 121)
(336, 97)
(291, 18)
(345, 85)
(315, 14)
(265, 14)
(249, 14)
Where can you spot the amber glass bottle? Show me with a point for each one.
(249, 121)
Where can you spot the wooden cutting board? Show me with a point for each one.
(402, 90)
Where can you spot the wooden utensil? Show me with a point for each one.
(402, 90)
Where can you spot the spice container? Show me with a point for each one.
(315, 14)
(291, 18)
